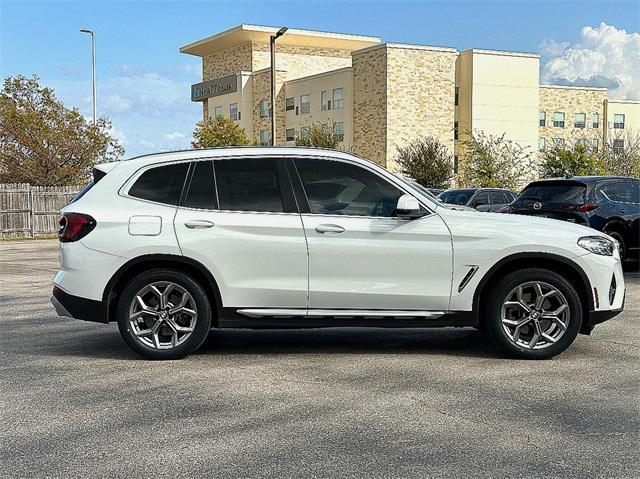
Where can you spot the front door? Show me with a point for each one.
(360, 255)
(239, 219)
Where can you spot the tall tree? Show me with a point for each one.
(427, 161)
(44, 143)
(494, 162)
(219, 132)
(576, 159)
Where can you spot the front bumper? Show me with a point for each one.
(597, 317)
(79, 308)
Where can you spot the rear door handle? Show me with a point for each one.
(622, 211)
(329, 229)
(199, 224)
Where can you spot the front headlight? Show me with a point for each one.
(597, 244)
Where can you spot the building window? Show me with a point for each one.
(264, 137)
(455, 130)
(233, 111)
(542, 117)
(291, 134)
(618, 146)
(264, 109)
(595, 120)
(456, 99)
(558, 142)
(455, 163)
(338, 130)
(324, 101)
(289, 104)
(579, 120)
(338, 98)
(558, 119)
(217, 112)
(595, 144)
(542, 143)
(305, 104)
(618, 122)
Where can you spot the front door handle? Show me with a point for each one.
(329, 229)
(199, 224)
(622, 211)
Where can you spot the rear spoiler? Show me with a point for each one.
(101, 169)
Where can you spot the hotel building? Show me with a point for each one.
(381, 95)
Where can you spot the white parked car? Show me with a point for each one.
(174, 244)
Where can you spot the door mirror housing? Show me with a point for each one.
(408, 208)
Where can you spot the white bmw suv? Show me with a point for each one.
(174, 244)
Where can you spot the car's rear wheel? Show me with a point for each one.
(534, 314)
(164, 314)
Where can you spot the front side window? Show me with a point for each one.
(248, 185)
(201, 193)
(580, 120)
(305, 104)
(338, 98)
(289, 104)
(482, 198)
(595, 120)
(498, 197)
(338, 130)
(558, 119)
(264, 109)
(542, 118)
(324, 101)
(217, 111)
(618, 122)
(233, 111)
(456, 197)
(162, 184)
(265, 137)
(338, 188)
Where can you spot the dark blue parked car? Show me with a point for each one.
(607, 203)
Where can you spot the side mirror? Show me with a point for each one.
(408, 208)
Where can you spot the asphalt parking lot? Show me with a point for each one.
(76, 402)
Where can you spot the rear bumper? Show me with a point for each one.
(79, 308)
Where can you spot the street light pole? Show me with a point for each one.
(93, 65)
(272, 44)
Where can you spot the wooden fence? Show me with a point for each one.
(32, 211)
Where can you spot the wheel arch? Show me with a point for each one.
(559, 264)
(143, 263)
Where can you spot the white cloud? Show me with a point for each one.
(602, 56)
(176, 135)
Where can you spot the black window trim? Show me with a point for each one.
(187, 187)
(301, 195)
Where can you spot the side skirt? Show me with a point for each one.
(266, 318)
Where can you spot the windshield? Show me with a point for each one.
(456, 197)
(558, 193)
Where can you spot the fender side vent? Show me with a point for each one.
(467, 278)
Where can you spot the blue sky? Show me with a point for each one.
(143, 81)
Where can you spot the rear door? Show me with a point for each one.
(361, 256)
(622, 196)
(239, 219)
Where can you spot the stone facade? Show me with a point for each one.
(262, 91)
(226, 62)
(370, 103)
(420, 96)
(299, 61)
(571, 101)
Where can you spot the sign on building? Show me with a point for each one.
(215, 87)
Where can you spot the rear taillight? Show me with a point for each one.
(75, 226)
(581, 208)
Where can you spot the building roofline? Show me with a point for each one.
(321, 74)
(502, 53)
(244, 33)
(631, 102)
(571, 87)
(406, 46)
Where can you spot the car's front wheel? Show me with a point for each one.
(164, 314)
(534, 313)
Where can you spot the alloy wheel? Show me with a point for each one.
(162, 315)
(535, 315)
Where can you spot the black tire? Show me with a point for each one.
(621, 242)
(202, 307)
(500, 294)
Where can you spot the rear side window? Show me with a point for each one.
(162, 184)
(249, 185)
(201, 194)
(555, 193)
(498, 197)
(480, 199)
(619, 190)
